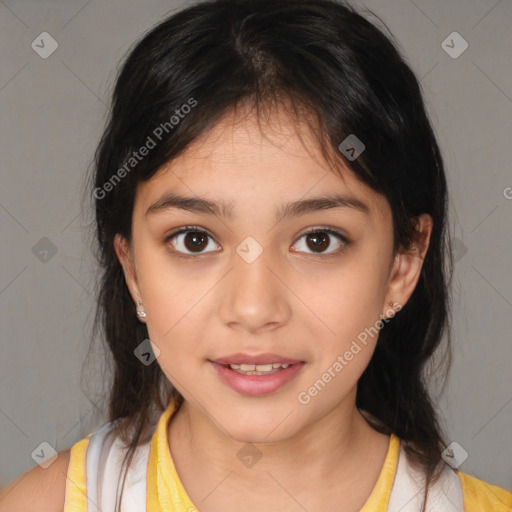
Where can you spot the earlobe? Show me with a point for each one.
(408, 264)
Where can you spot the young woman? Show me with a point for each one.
(271, 219)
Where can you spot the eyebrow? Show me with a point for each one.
(223, 209)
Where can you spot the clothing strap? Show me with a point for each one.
(409, 484)
(105, 454)
(92, 464)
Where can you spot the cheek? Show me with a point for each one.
(345, 335)
(345, 327)
(343, 301)
(169, 300)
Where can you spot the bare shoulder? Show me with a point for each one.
(38, 490)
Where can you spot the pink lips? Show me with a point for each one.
(256, 385)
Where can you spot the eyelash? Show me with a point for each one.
(319, 229)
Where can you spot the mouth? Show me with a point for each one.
(257, 379)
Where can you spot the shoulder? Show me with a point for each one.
(481, 496)
(38, 490)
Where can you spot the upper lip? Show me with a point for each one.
(240, 358)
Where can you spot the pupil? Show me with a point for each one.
(319, 239)
(194, 237)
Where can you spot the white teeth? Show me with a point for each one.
(263, 367)
(258, 369)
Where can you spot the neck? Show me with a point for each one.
(338, 447)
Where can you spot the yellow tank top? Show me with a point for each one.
(164, 491)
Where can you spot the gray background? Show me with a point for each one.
(52, 112)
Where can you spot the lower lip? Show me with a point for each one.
(255, 385)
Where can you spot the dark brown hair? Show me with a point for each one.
(326, 62)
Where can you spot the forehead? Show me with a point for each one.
(244, 163)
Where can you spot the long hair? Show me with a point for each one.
(327, 63)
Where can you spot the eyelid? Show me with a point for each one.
(323, 229)
(188, 228)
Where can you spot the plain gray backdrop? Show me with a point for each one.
(52, 112)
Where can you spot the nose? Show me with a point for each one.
(254, 296)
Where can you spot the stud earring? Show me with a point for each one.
(141, 313)
(393, 307)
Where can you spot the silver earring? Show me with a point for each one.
(141, 313)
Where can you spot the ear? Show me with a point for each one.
(407, 267)
(125, 255)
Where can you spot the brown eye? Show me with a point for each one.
(195, 240)
(319, 240)
(190, 240)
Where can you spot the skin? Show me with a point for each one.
(291, 301)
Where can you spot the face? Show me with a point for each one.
(269, 283)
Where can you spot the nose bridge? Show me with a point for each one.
(253, 297)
